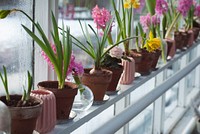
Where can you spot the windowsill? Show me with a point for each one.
(86, 116)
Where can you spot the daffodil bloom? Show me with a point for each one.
(131, 3)
(153, 43)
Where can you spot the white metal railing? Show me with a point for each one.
(130, 112)
(121, 108)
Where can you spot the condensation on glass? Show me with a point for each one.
(16, 52)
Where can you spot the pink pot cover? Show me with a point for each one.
(47, 120)
(128, 74)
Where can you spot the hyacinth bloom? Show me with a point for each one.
(101, 17)
(197, 11)
(152, 43)
(161, 7)
(184, 6)
(148, 20)
(145, 21)
(74, 66)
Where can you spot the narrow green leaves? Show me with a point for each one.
(5, 83)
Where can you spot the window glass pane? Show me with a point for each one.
(16, 46)
(72, 10)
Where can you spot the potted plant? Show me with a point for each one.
(63, 91)
(24, 109)
(97, 78)
(112, 61)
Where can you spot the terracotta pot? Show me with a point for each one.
(45, 124)
(64, 97)
(191, 37)
(23, 119)
(171, 48)
(98, 83)
(156, 54)
(196, 32)
(185, 39)
(128, 74)
(116, 73)
(143, 61)
(178, 37)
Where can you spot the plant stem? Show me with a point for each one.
(110, 40)
(126, 47)
(171, 26)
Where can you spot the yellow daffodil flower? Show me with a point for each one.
(131, 3)
(153, 43)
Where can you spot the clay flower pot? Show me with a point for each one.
(64, 97)
(171, 48)
(191, 37)
(23, 119)
(179, 40)
(98, 83)
(196, 32)
(156, 54)
(143, 61)
(115, 79)
(47, 119)
(128, 74)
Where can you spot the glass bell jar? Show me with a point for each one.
(5, 119)
(84, 99)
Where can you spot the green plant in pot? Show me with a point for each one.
(24, 109)
(145, 53)
(112, 60)
(63, 91)
(97, 78)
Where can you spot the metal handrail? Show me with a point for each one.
(131, 111)
(80, 120)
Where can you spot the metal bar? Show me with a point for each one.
(182, 84)
(159, 106)
(117, 122)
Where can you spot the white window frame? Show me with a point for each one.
(43, 8)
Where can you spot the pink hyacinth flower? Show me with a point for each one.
(145, 21)
(73, 66)
(161, 7)
(184, 6)
(197, 11)
(101, 17)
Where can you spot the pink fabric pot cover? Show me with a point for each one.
(128, 74)
(47, 120)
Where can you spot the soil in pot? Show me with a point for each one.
(64, 97)
(23, 119)
(143, 61)
(98, 83)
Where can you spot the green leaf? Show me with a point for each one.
(151, 6)
(30, 84)
(5, 83)
(5, 13)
